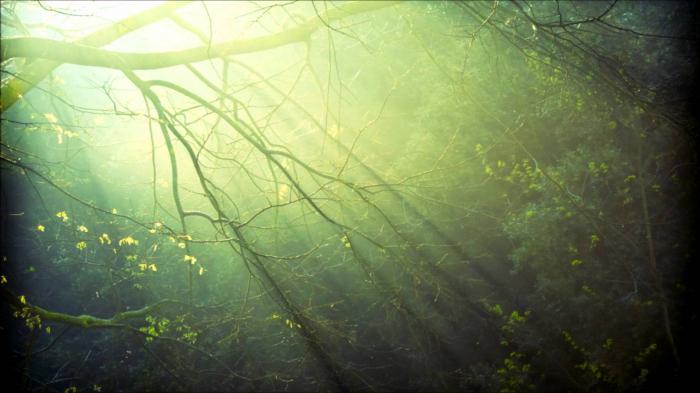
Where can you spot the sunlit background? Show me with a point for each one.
(428, 196)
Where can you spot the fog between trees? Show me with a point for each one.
(362, 196)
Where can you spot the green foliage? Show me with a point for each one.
(439, 196)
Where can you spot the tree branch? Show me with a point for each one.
(84, 321)
(75, 53)
(37, 70)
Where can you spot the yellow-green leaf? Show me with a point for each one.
(62, 215)
(129, 241)
(104, 238)
(191, 259)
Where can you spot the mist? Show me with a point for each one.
(348, 196)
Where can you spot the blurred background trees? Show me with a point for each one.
(431, 196)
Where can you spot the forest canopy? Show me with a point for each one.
(348, 196)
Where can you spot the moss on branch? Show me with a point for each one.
(83, 321)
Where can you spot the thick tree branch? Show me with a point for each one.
(37, 70)
(84, 321)
(87, 55)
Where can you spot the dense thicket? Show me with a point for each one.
(490, 196)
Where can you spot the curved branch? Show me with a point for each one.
(64, 52)
(84, 321)
(37, 70)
